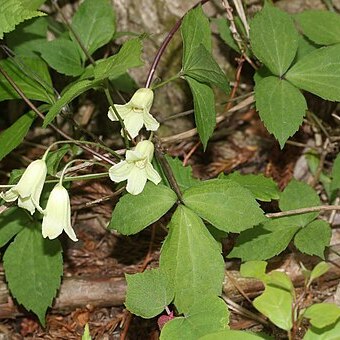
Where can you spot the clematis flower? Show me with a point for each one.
(57, 215)
(136, 112)
(136, 168)
(29, 187)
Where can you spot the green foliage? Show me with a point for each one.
(86, 335)
(209, 314)
(336, 173)
(327, 333)
(322, 27)
(281, 107)
(13, 12)
(54, 158)
(320, 269)
(305, 46)
(274, 39)
(148, 293)
(32, 4)
(234, 335)
(255, 269)
(322, 314)
(236, 206)
(192, 258)
(33, 268)
(225, 33)
(14, 135)
(134, 213)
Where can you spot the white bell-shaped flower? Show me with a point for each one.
(136, 168)
(29, 187)
(136, 112)
(57, 215)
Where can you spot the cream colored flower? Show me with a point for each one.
(136, 168)
(57, 215)
(136, 112)
(29, 187)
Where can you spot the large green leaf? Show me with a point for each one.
(33, 267)
(135, 212)
(225, 204)
(255, 269)
(192, 259)
(233, 335)
(13, 12)
(274, 39)
(322, 27)
(32, 4)
(13, 136)
(318, 72)
(63, 56)
(322, 314)
(94, 23)
(148, 293)
(31, 75)
(209, 314)
(327, 333)
(281, 107)
(314, 238)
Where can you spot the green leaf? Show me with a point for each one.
(94, 23)
(204, 109)
(274, 39)
(13, 13)
(263, 188)
(233, 335)
(261, 244)
(195, 30)
(225, 204)
(148, 293)
(318, 72)
(281, 107)
(209, 314)
(54, 158)
(32, 4)
(27, 37)
(33, 267)
(336, 173)
(12, 221)
(225, 33)
(133, 213)
(63, 56)
(280, 312)
(129, 56)
(320, 269)
(14, 135)
(280, 280)
(299, 195)
(86, 335)
(322, 27)
(314, 238)
(327, 333)
(192, 259)
(305, 46)
(255, 269)
(322, 314)
(71, 92)
(31, 75)
(202, 67)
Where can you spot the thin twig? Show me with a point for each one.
(303, 211)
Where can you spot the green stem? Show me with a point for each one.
(80, 178)
(166, 81)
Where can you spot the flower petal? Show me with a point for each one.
(26, 203)
(10, 195)
(133, 123)
(121, 171)
(123, 111)
(150, 122)
(133, 155)
(152, 174)
(136, 181)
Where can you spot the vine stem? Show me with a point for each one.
(56, 129)
(303, 211)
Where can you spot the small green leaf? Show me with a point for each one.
(305, 46)
(204, 109)
(148, 293)
(94, 23)
(280, 312)
(319, 270)
(263, 188)
(12, 221)
(32, 4)
(192, 259)
(318, 72)
(225, 204)
(274, 39)
(33, 267)
(336, 173)
(202, 67)
(314, 238)
(86, 335)
(14, 135)
(225, 33)
(134, 213)
(322, 314)
(255, 269)
(209, 314)
(279, 280)
(281, 107)
(299, 195)
(63, 56)
(327, 333)
(322, 27)
(54, 158)
(233, 335)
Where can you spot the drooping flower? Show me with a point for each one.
(57, 215)
(136, 112)
(29, 187)
(136, 168)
